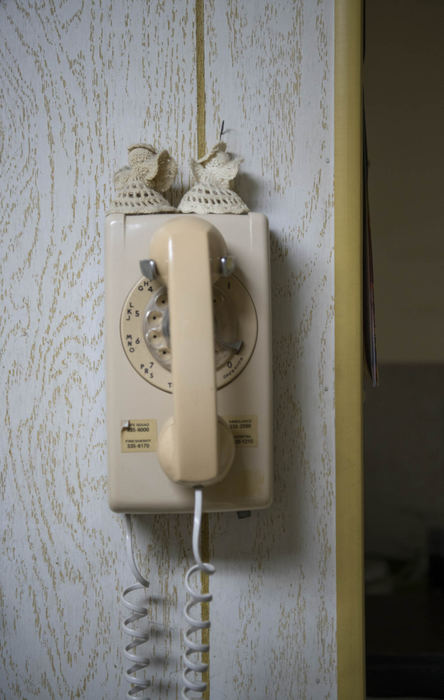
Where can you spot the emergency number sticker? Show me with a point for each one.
(139, 436)
(244, 429)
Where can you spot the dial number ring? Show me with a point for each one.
(144, 331)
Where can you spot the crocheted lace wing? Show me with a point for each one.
(138, 185)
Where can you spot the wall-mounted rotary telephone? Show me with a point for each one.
(188, 345)
(188, 339)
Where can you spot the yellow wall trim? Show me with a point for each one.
(200, 78)
(348, 349)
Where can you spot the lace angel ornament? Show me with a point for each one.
(138, 186)
(212, 194)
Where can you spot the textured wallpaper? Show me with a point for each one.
(80, 82)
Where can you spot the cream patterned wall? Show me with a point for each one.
(81, 81)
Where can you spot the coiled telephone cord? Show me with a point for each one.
(192, 658)
(132, 627)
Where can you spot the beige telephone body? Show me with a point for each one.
(188, 350)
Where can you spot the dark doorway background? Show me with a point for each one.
(404, 416)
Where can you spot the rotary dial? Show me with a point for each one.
(145, 332)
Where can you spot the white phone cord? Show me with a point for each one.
(195, 625)
(139, 662)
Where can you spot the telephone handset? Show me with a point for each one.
(177, 247)
(188, 361)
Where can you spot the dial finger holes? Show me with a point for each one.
(145, 315)
(154, 319)
(155, 340)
